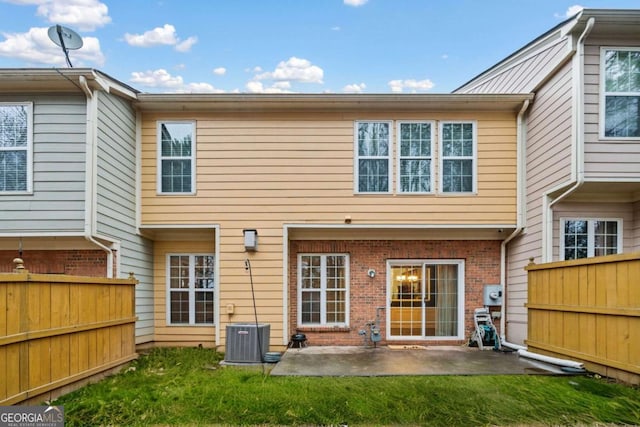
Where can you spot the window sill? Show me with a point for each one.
(322, 329)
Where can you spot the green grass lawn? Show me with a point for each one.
(188, 387)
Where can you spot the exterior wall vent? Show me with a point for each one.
(242, 345)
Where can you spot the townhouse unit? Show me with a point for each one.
(68, 179)
(581, 190)
(322, 213)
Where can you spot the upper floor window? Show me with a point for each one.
(415, 157)
(583, 238)
(176, 157)
(458, 157)
(373, 140)
(323, 289)
(621, 84)
(15, 147)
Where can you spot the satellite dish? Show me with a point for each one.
(66, 38)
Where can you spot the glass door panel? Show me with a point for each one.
(407, 293)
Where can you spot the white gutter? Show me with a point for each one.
(520, 214)
(90, 182)
(578, 147)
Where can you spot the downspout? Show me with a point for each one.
(90, 161)
(578, 128)
(520, 214)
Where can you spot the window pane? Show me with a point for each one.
(179, 311)
(336, 307)
(179, 271)
(335, 272)
(310, 272)
(373, 139)
(310, 307)
(13, 170)
(622, 116)
(575, 239)
(13, 126)
(622, 73)
(204, 307)
(457, 176)
(176, 139)
(374, 175)
(415, 176)
(204, 271)
(176, 176)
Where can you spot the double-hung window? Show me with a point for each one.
(176, 157)
(458, 153)
(16, 152)
(190, 289)
(583, 238)
(323, 289)
(415, 157)
(621, 83)
(373, 159)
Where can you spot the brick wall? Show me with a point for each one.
(482, 266)
(73, 262)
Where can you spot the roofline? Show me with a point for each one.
(565, 27)
(95, 79)
(328, 102)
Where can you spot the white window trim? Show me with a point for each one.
(399, 157)
(160, 158)
(474, 158)
(590, 234)
(191, 290)
(603, 94)
(461, 300)
(29, 148)
(323, 291)
(356, 157)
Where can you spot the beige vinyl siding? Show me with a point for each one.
(548, 165)
(623, 211)
(610, 158)
(265, 171)
(524, 72)
(176, 335)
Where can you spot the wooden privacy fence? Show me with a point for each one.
(588, 310)
(56, 330)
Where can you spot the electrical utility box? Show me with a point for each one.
(492, 295)
(247, 342)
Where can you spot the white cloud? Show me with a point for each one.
(445, 56)
(220, 71)
(354, 88)
(336, 28)
(160, 36)
(571, 11)
(294, 69)
(413, 85)
(254, 86)
(162, 79)
(84, 15)
(185, 46)
(355, 3)
(34, 47)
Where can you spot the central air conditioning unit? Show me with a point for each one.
(247, 342)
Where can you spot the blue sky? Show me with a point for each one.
(272, 46)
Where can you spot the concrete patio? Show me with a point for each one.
(412, 360)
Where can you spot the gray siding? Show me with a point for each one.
(116, 202)
(548, 157)
(605, 159)
(58, 200)
(623, 211)
(522, 73)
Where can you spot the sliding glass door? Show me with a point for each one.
(425, 299)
